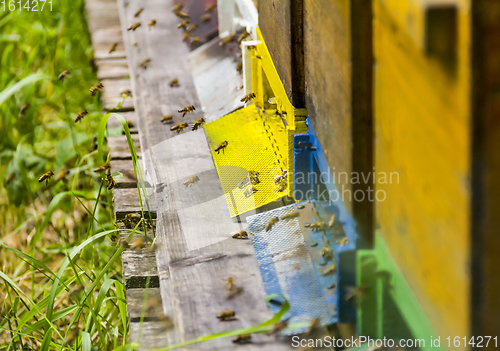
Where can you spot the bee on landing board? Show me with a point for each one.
(134, 26)
(177, 8)
(280, 178)
(271, 223)
(181, 14)
(183, 24)
(220, 147)
(191, 28)
(344, 241)
(144, 64)
(316, 226)
(97, 87)
(248, 97)
(174, 83)
(63, 75)
(80, 115)
(166, 119)
(329, 270)
(138, 12)
(179, 127)
(206, 17)
(291, 215)
(254, 177)
(240, 235)
(226, 316)
(186, 36)
(233, 289)
(250, 191)
(46, 176)
(151, 23)
(186, 110)
(113, 48)
(211, 8)
(195, 40)
(282, 187)
(198, 123)
(191, 181)
(242, 339)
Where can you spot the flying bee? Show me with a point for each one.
(46, 176)
(61, 175)
(344, 241)
(191, 28)
(97, 87)
(186, 109)
(110, 180)
(77, 290)
(291, 215)
(198, 123)
(191, 181)
(248, 97)
(240, 235)
(63, 75)
(134, 27)
(242, 339)
(113, 48)
(221, 146)
(80, 115)
(24, 108)
(144, 64)
(179, 127)
(166, 119)
(124, 243)
(244, 183)
(329, 270)
(186, 36)
(271, 223)
(181, 14)
(278, 327)
(126, 93)
(177, 8)
(226, 315)
(332, 221)
(226, 40)
(183, 24)
(211, 8)
(138, 244)
(138, 12)
(102, 168)
(151, 23)
(10, 178)
(250, 191)
(166, 322)
(174, 83)
(72, 336)
(279, 178)
(206, 17)
(282, 187)
(316, 226)
(195, 40)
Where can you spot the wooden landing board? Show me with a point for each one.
(129, 116)
(111, 95)
(126, 168)
(198, 254)
(126, 201)
(112, 69)
(119, 149)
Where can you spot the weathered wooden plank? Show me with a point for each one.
(139, 269)
(338, 69)
(111, 95)
(198, 254)
(126, 201)
(139, 304)
(126, 168)
(282, 23)
(112, 69)
(130, 117)
(119, 148)
(485, 286)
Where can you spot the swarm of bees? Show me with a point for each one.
(248, 97)
(80, 115)
(63, 75)
(46, 176)
(179, 127)
(220, 147)
(186, 110)
(198, 123)
(191, 181)
(97, 87)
